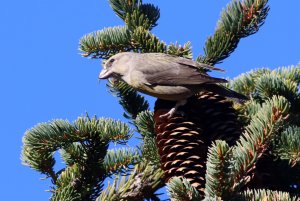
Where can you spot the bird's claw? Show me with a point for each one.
(169, 114)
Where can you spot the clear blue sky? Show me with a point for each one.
(43, 77)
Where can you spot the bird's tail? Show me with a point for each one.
(225, 92)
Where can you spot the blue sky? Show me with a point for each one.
(44, 77)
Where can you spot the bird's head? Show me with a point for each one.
(116, 66)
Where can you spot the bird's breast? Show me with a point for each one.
(133, 78)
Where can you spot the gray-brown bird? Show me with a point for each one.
(165, 76)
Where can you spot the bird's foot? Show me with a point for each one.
(169, 114)
(172, 111)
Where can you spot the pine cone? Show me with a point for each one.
(183, 139)
(216, 115)
(181, 149)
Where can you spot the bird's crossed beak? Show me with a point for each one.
(105, 73)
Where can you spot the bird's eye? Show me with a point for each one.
(112, 60)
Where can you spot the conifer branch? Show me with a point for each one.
(145, 41)
(67, 183)
(180, 189)
(132, 102)
(41, 141)
(240, 19)
(257, 136)
(245, 83)
(152, 13)
(145, 126)
(122, 7)
(260, 84)
(105, 43)
(271, 84)
(181, 51)
(266, 195)
(135, 13)
(288, 146)
(290, 73)
(218, 178)
(84, 145)
(109, 129)
(139, 18)
(118, 161)
(110, 41)
(72, 153)
(142, 183)
(66, 194)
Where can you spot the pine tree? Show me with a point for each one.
(218, 150)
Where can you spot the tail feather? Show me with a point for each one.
(227, 93)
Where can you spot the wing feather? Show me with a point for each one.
(165, 69)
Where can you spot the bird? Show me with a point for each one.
(166, 77)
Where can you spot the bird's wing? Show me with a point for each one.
(194, 64)
(164, 70)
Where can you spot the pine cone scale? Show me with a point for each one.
(183, 140)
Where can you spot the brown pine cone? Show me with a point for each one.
(183, 139)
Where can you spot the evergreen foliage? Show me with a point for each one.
(132, 102)
(258, 195)
(218, 167)
(240, 19)
(145, 126)
(288, 146)
(181, 189)
(234, 171)
(142, 183)
(83, 145)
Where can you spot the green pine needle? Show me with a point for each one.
(263, 127)
(145, 41)
(180, 189)
(118, 160)
(145, 126)
(122, 7)
(218, 178)
(261, 194)
(181, 51)
(135, 13)
(288, 146)
(142, 183)
(240, 19)
(106, 43)
(132, 102)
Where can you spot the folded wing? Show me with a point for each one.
(169, 70)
